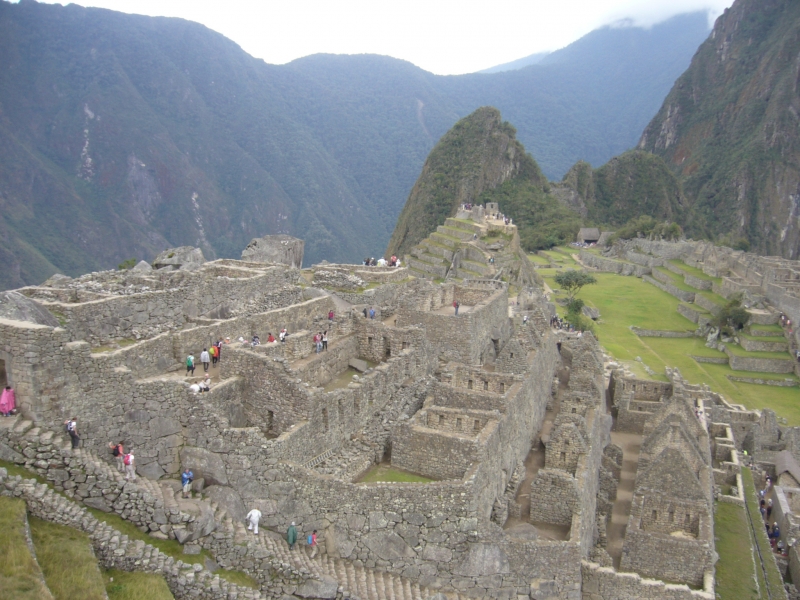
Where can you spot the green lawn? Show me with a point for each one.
(736, 575)
(756, 329)
(122, 585)
(739, 351)
(676, 280)
(625, 301)
(694, 271)
(20, 577)
(387, 473)
(715, 298)
(67, 560)
(539, 260)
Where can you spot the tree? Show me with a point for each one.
(732, 317)
(572, 281)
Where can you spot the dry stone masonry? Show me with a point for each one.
(507, 423)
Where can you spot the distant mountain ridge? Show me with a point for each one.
(531, 59)
(122, 135)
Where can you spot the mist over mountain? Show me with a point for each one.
(122, 135)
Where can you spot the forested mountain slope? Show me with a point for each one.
(122, 135)
(729, 129)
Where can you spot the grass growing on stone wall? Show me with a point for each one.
(67, 561)
(736, 574)
(625, 301)
(14, 470)
(385, 473)
(694, 271)
(122, 585)
(239, 578)
(739, 351)
(774, 580)
(20, 577)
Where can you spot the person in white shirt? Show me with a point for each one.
(252, 519)
(130, 467)
(205, 358)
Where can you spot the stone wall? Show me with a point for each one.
(761, 365)
(604, 583)
(609, 265)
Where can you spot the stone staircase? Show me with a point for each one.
(354, 581)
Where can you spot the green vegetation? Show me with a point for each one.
(736, 576)
(67, 560)
(122, 585)
(646, 226)
(756, 141)
(625, 301)
(764, 562)
(387, 473)
(20, 577)
(732, 318)
(572, 281)
(127, 264)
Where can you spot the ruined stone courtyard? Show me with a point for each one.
(550, 471)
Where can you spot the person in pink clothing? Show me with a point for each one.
(8, 402)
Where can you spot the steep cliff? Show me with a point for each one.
(729, 128)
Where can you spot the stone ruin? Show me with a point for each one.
(510, 425)
(279, 249)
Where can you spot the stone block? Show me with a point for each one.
(359, 365)
(324, 589)
(205, 464)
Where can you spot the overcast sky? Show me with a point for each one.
(441, 36)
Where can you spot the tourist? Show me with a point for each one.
(283, 334)
(205, 359)
(119, 453)
(456, 305)
(256, 341)
(776, 533)
(72, 429)
(524, 319)
(769, 508)
(365, 311)
(762, 509)
(252, 519)
(8, 402)
(205, 385)
(213, 352)
(130, 466)
(330, 315)
(325, 340)
(312, 541)
(318, 342)
(190, 364)
(270, 338)
(291, 536)
(187, 477)
(219, 350)
(195, 388)
(371, 312)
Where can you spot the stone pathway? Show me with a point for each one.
(630, 444)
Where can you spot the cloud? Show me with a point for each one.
(441, 36)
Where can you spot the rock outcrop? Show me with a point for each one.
(283, 249)
(184, 257)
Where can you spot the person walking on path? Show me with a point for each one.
(252, 519)
(187, 477)
(190, 364)
(330, 315)
(318, 341)
(291, 536)
(219, 350)
(213, 352)
(130, 467)
(205, 359)
(119, 453)
(456, 305)
(8, 401)
(72, 430)
(312, 541)
(325, 340)
(371, 312)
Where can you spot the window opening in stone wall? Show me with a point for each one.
(270, 420)
(356, 406)
(469, 384)
(655, 515)
(388, 347)
(369, 341)
(688, 520)
(563, 456)
(441, 419)
(502, 388)
(458, 424)
(574, 410)
(485, 385)
(477, 426)
(325, 419)
(405, 345)
(512, 355)
(671, 515)
(3, 375)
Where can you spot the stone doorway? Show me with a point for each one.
(4, 379)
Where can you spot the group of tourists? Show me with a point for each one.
(321, 341)
(369, 313)
(381, 262)
(765, 506)
(560, 324)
